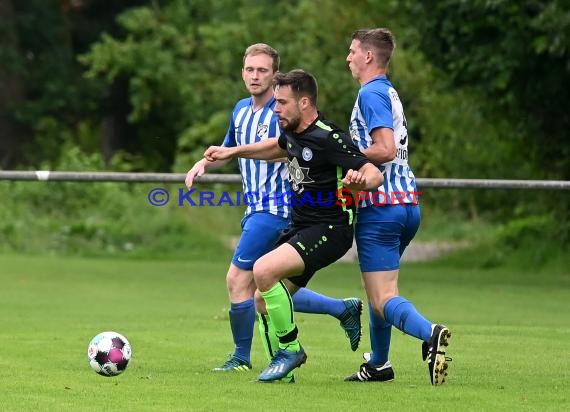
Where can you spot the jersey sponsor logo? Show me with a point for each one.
(307, 154)
(402, 153)
(262, 130)
(298, 175)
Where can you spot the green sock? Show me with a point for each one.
(268, 337)
(269, 340)
(279, 307)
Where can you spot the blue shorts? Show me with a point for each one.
(382, 234)
(260, 232)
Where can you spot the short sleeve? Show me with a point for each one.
(282, 141)
(230, 139)
(376, 108)
(341, 151)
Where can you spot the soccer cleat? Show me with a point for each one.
(369, 373)
(434, 353)
(282, 364)
(287, 379)
(233, 364)
(350, 321)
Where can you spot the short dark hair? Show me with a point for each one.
(302, 83)
(381, 41)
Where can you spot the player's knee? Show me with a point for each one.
(232, 279)
(263, 274)
(239, 282)
(380, 299)
(377, 307)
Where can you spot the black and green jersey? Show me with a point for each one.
(319, 158)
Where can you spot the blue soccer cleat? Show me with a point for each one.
(290, 378)
(350, 321)
(282, 364)
(233, 364)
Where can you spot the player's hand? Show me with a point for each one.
(354, 180)
(214, 153)
(197, 170)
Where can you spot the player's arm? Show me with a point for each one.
(368, 177)
(200, 167)
(279, 160)
(383, 147)
(267, 149)
(362, 174)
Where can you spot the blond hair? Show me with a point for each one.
(262, 48)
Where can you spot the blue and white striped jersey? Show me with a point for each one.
(264, 183)
(378, 105)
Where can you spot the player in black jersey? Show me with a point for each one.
(322, 160)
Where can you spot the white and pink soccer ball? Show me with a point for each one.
(109, 353)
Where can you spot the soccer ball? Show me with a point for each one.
(109, 353)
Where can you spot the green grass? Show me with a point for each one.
(510, 350)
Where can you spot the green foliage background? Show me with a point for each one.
(482, 83)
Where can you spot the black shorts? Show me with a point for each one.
(318, 245)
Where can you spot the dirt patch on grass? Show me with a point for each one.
(417, 251)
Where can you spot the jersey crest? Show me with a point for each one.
(262, 130)
(307, 154)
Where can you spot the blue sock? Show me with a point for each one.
(242, 318)
(307, 301)
(402, 314)
(380, 336)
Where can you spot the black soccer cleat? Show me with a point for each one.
(434, 353)
(369, 373)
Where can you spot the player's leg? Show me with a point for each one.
(347, 311)
(260, 231)
(434, 349)
(269, 270)
(377, 367)
(380, 330)
(386, 236)
(242, 318)
(278, 264)
(402, 314)
(269, 339)
(306, 251)
(397, 230)
(371, 255)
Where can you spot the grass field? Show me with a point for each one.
(511, 329)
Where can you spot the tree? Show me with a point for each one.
(12, 134)
(516, 55)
